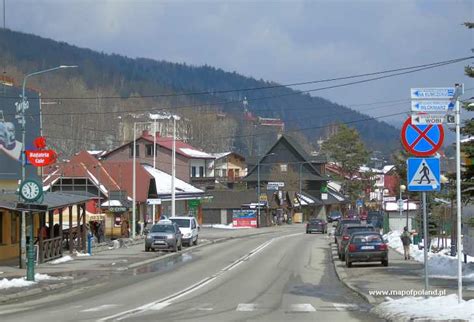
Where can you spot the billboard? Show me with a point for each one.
(10, 131)
(244, 218)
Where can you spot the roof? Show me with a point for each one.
(163, 183)
(225, 154)
(230, 199)
(54, 200)
(182, 148)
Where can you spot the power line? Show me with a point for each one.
(415, 68)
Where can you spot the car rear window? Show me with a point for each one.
(315, 221)
(185, 223)
(162, 229)
(361, 239)
(351, 230)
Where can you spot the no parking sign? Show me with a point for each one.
(422, 140)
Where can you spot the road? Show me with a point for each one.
(281, 276)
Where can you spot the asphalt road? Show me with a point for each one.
(281, 276)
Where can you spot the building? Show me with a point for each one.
(228, 167)
(192, 164)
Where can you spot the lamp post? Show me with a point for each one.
(21, 108)
(402, 190)
(258, 188)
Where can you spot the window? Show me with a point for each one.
(193, 172)
(137, 151)
(201, 172)
(149, 150)
(283, 167)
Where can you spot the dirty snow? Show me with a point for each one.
(61, 260)
(440, 265)
(82, 254)
(438, 307)
(6, 283)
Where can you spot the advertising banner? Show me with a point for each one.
(10, 131)
(244, 218)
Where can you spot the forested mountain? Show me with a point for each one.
(90, 99)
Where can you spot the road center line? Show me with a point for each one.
(194, 287)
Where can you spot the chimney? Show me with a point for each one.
(145, 133)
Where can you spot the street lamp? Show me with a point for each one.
(402, 189)
(21, 108)
(258, 188)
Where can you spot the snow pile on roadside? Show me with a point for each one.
(440, 265)
(77, 254)
(221, 226)
(438, 307)
(22, 282)
(60, 260)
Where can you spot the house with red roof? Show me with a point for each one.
(192, 164)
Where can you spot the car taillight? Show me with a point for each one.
(352, 248)
(345, 237)
(383, 247)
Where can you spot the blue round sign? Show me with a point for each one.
(422, 140)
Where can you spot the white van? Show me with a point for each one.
(189, 229)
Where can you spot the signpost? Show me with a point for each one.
(432, 106)
(432, 93)
(417, 119)
(422, 135)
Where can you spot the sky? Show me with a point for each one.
(281, 41)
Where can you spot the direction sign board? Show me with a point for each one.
(417, 119)
(432, 106)
(432, 93)
(422, 140)
(423, 174)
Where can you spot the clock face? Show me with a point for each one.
(30, 190)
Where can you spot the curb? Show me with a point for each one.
(342, 276)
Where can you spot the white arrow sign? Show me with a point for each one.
(433, 93)
(432, 106)
(421, 119)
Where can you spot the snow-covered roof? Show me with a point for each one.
(196, 153)
(163, 182)
(305, 200)
(334, 185)
(220, 155)
(469, 139)
(112, 203)
(336, 195)
(388, 168)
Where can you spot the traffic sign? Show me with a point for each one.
(423, 174)
(450, 119)
(418, 119)
(432, 93)
(359, 203)
(432, 106)
(422, 140)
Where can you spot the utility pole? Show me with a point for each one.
(173, 171)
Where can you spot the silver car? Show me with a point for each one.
(164, 236)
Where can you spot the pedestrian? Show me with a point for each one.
(406, 241)
(100, 232)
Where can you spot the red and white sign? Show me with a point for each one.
(422, 140)
(245, 222)
(41, 158)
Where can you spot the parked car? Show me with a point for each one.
(316, 225)
(189, 228)
(164, 236)
(347, 231)
(334, 216)
(375, 218)
(340, 225)
(366, 247)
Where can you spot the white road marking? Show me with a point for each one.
(159, 306)
(100, 308)
(246, 307)
(169, 299)
(345, 307)
(304, 307)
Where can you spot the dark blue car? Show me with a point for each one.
(366, 247)
(334, 216)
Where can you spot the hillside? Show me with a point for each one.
(112, 84)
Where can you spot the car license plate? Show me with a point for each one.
(159, 242)
(367, 247)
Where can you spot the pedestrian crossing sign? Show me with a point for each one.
(423, 174)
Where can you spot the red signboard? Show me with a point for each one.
(41, 158)
(422, 140)
(245, 222)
